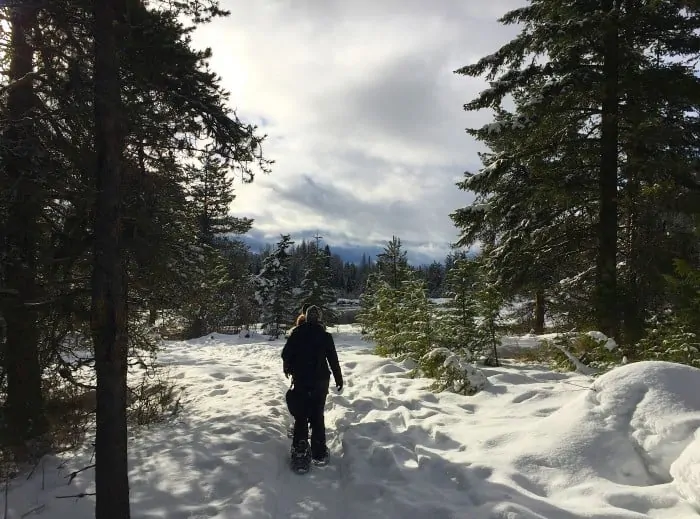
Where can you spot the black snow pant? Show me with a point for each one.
(309, 408)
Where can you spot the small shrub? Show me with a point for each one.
(591, 349)
(543, 353)
(154, 400)
(672, 342)
(452, 371)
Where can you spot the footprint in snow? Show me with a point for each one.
(256, 437)
(469, 408)
(219, 392)
(227, 429)
(525, 396)
(544, 412)
(218, 376)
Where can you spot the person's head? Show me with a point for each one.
(300, 319)
(313, 314)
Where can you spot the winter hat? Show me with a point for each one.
(304, 308)
(313, 314)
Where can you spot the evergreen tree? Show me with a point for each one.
(435, 277)
(367, 316)
(316, 286)
(273, 291)
(585, 78)
(211, 192)
(170, 104)
(488, 309)
(392, 263)
(416, 332)
(456, 326)
(21, 200)
(382, 319)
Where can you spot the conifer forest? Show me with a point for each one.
(122, 156)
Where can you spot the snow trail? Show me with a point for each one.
(533, 444)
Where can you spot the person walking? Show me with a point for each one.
(306, 357)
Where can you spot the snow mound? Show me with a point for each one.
(637, 427)
(663, 403)
(686, 472)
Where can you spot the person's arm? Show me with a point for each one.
(288, 353)
(332, 356)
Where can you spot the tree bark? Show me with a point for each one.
(25, 404)
(109, 308)
(539, 312)
(606, 264)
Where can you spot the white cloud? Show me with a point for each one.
(362, 108)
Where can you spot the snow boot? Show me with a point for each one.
(321, 458)
(301, 457)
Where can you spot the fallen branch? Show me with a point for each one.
(77, 496)
(73, 474)
(34, 510)
(31, 472)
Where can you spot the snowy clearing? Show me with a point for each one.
(534, 444)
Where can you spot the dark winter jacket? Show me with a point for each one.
(307, 354)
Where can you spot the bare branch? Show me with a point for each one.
(77, 496)
(19, 82)
(73, 474)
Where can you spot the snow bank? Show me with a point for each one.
(636, 428)
(686, 472)
(660, 406)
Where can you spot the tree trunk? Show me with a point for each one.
(109, 308)
(152, 315)
(606, 300)
(638, 262)
(25, 405)
(539, 312)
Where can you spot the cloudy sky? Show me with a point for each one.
(362, 110)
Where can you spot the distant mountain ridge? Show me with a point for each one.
(349, 253)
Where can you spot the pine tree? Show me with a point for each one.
(457, 341)
(580, 73)
(21, 201)
(316, 286)
(456, 324)
(384, 320)
(367, 317)
(416, 332)
(170, 104)
(211, 191)
(435, 277)
(381, 313)
(392, 263)
(488, 309)
(273, 291)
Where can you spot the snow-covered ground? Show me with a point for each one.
(534, 444)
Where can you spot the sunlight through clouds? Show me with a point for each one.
(362, 109)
